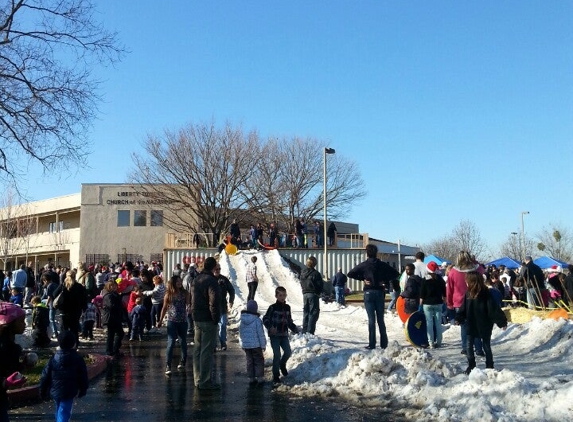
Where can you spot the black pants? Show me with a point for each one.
(252, 289)
(88, 329)
(114, 336)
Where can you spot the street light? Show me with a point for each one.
(523, 235)
(324, 260)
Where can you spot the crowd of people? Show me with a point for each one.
(302, 235)
(195, 302)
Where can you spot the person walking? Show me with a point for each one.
(112, 317)
(312, 286)
(478, 312)
(252, 278)
(339, 283)
(376, 276)
(175, 304)
(205, 307)
(227, 289)
(74, 303)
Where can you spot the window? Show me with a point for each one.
(54, 228)
(140, 218)
(157, 218)
(123, 218)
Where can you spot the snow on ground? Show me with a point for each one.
(532, 380)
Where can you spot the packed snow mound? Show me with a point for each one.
(532, 379)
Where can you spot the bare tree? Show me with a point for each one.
(464, 237)
(290, 183)
(444, 248)
(200, 171)
(48, 95)
(556, 241)
(513, 247)
(8, 225)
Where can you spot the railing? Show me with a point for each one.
(188, 240)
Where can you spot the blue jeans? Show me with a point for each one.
(433, 315)
(223, 330)
(311, 311)
(174, 330)
(340, 293)
(278, 343)
(393, 299)
(53, 321)
(374, 304)
(64, 410)
(156, 313)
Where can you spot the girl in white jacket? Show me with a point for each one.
(253, 341)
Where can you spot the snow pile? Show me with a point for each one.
(532, 380)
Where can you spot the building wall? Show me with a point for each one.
(99, 231)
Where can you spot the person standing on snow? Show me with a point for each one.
(376, 276)
(312, 286)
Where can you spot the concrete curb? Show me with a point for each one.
(30, 394)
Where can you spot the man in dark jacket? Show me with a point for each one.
(339, 284)
(376, 276)
(206, 311)
(312, 285)
(532, 275)
(227, 289)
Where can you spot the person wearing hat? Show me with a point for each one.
(432, 295)
(253, 341)
(12, 322)
(534, 279)
(64, 377)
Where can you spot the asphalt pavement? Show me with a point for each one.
(135, 388)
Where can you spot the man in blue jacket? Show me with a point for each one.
(376, 276)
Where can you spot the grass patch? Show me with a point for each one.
(359, 296)
(34, 374)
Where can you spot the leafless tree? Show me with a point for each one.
(201, 172)
(8, 225)
(48, 94)
(513, 247)
(443, 248)
(464, 237)
(556, 241)
(290, 183)
(210, 176)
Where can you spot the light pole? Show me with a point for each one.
(523, 234)
(324, 260)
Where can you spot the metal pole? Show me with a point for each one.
(399, 258)
(324, 258)
(523, 235)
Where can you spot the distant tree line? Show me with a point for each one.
(553, 240)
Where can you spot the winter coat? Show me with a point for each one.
(226, 288)
(112, 311)
(65, 376)
(157, 294)
(456, 286)
(279, 316)
(411, 294)
(251, 332)
(40, 317)
(75, 300)
(377, 272)
(311, 281)
(206, 299)
(433, 291)
(480, 314)
(568, 284)
(533, 275)
(339, 279)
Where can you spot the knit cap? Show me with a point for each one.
(252, 306)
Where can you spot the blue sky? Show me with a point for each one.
(454, 110)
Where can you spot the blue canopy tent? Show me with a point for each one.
(512, 264)
(434, 258)
(545, 262)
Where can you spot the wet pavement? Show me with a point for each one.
(135, 388)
